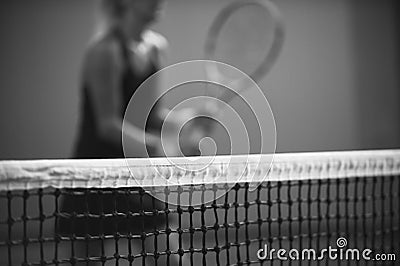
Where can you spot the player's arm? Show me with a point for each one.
(159, 56)
(157, 52)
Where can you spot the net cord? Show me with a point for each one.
(106, 173)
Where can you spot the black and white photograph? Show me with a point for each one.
(199, 132)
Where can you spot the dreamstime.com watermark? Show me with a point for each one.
(340, 252)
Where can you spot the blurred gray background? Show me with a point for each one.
(335, 86)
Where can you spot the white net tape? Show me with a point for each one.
(15, 175)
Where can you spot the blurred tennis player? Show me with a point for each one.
(118, 60)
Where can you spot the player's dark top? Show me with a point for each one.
(89, 143)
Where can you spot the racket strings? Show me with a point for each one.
(247, 35)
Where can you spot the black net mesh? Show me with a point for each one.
(127, 226)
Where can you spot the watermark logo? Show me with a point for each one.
(201, 108)
(340, 252)
(341, 242)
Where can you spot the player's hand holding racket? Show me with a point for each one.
(178, 138)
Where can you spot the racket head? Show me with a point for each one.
(247, 34)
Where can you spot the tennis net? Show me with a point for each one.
(93, 212)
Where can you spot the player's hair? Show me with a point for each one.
(108, 13)
(113, 8)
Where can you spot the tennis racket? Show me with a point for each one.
(248, 35)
